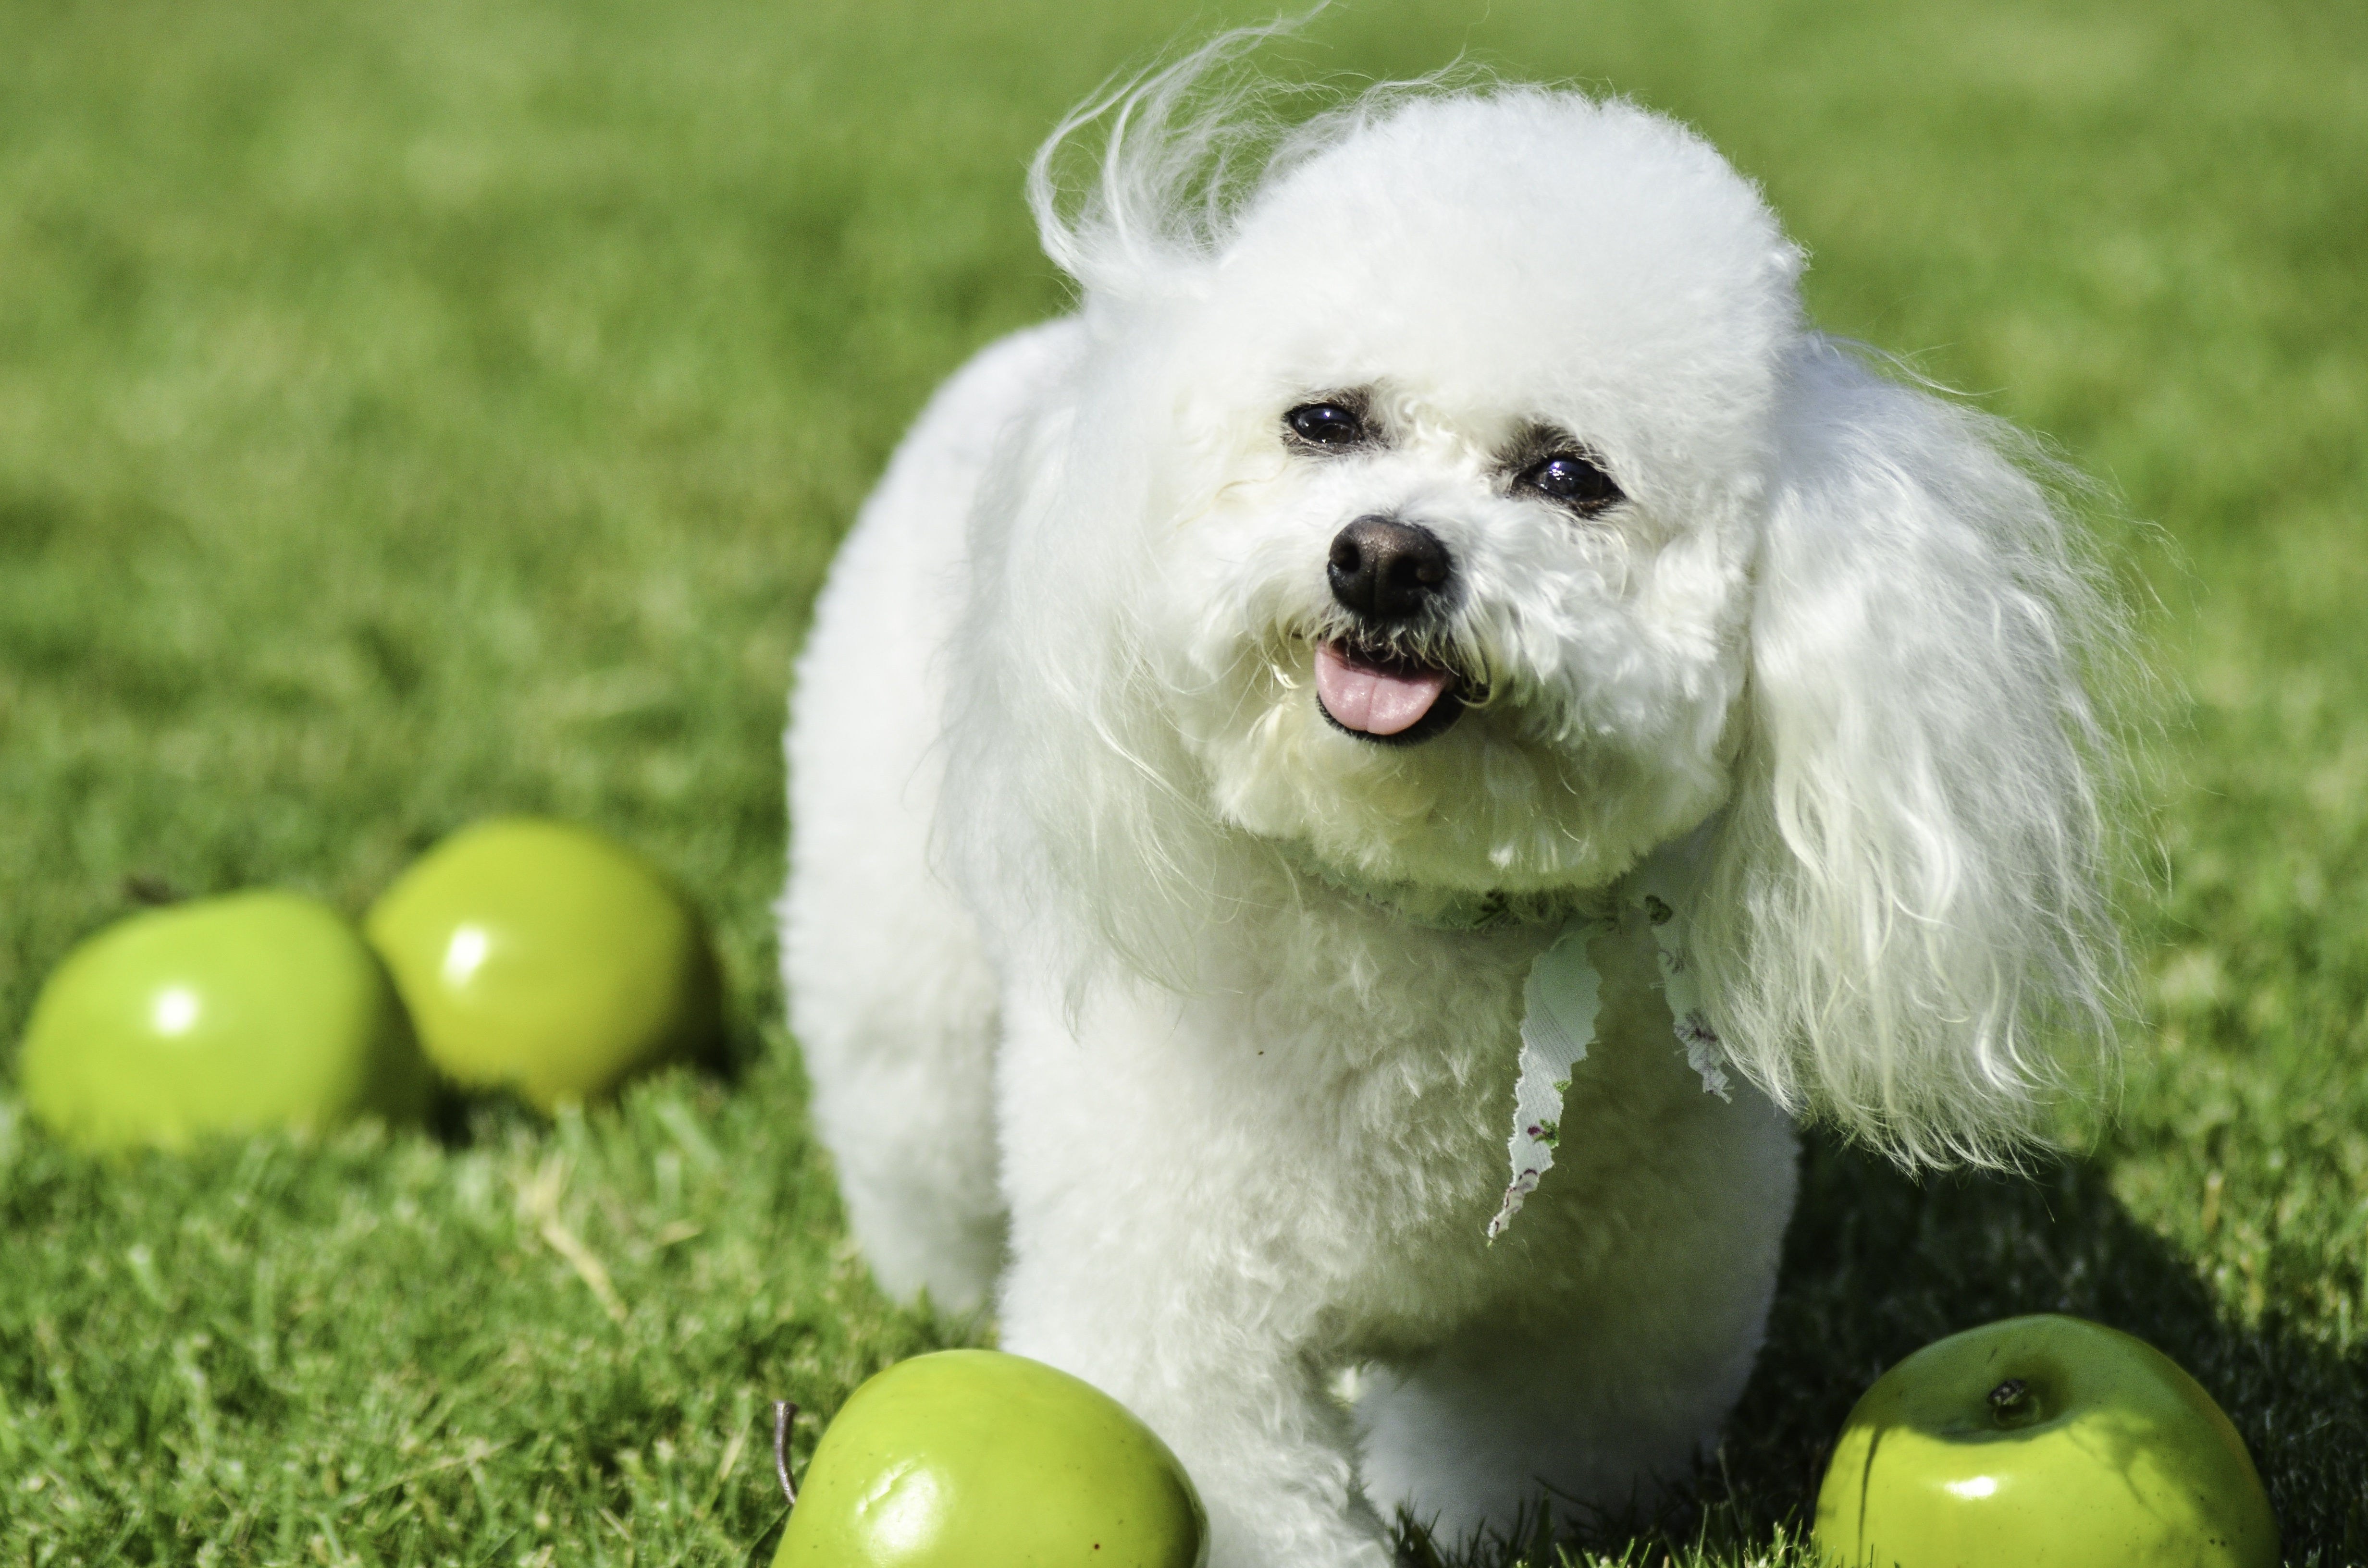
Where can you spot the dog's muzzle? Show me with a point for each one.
(1387, 574)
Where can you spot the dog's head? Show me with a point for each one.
(1465, 425)
(1466, 506)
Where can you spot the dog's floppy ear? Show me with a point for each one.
(1903, 923)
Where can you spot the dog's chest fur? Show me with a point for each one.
(1344, 1079)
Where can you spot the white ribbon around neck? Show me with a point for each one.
(1559, 1003)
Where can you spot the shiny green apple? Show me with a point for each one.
(2042, 1442)
(974, 1458)
(225, 1015)
(547, 958)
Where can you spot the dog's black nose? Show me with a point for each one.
(1387, 570)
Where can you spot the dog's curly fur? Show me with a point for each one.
(1125, 979)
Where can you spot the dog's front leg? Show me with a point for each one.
(1155, 1254)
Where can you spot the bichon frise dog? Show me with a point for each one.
(1346, 794)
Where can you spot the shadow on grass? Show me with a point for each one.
(460, 1117)
(1878, 1265)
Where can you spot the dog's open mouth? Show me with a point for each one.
(1379, 696)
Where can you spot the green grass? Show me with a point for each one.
(410, 413)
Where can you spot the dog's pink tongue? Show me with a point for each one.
(1377, 702)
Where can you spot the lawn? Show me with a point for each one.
(412, 413)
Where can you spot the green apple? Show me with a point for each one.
(2042, 1442)
(546, 959)
(974, 1458)
(262, 1009)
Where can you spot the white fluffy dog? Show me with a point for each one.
(1436, 613)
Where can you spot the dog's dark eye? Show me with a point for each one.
(1569, 480)
(1326, 423)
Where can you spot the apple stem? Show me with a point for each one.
(783, 1413)
(2010, 1400)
